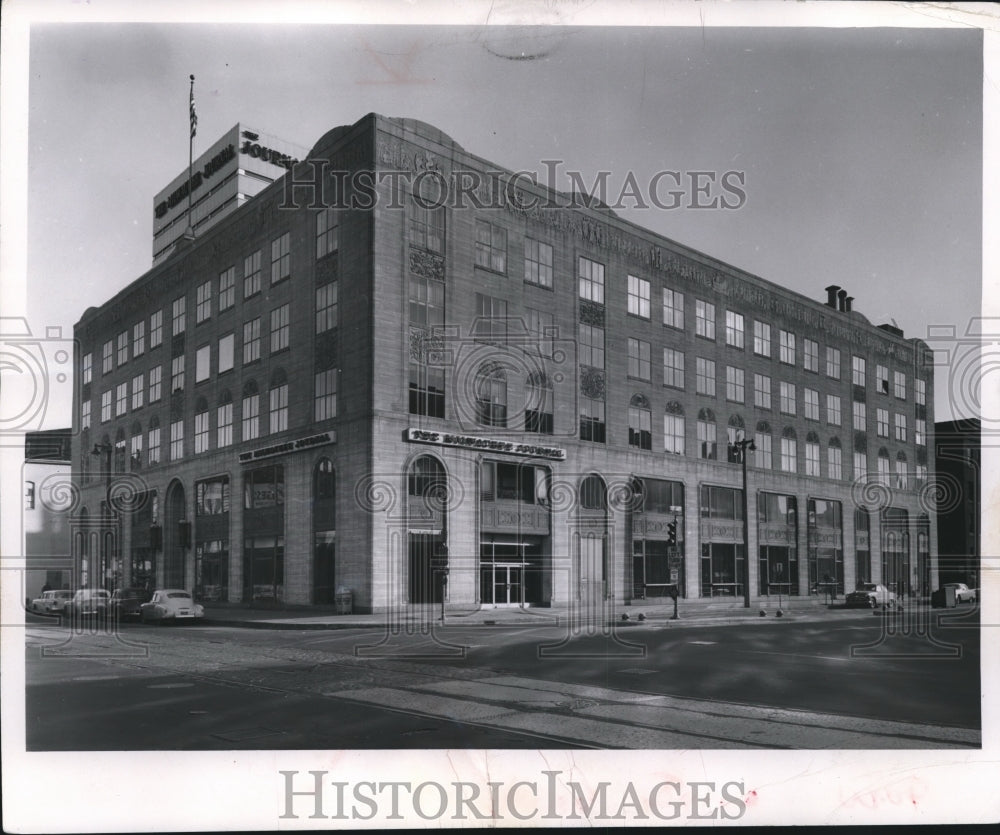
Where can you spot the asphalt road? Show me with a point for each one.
(837, 684)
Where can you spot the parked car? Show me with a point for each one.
(963, 594)
(871, 596)
(170, 605)
(88, 603)
(52, 602)
(126, 603)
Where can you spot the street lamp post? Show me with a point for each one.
(739, 448)
(100, 450)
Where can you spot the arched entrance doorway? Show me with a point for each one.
(591, 546)
(176, 537)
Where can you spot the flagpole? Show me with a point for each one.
(194, 123)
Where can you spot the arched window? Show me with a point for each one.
(883, 466)
(426, 476)
(640, 433)
(538, 404)
(673, 428)
(135, 451)
(200, 426)
(224, 420)
(324, 488)
(901, 471)
(324, 496)
(834, 459)
(735, 431)
(812, 454)
(762, 440)
(153, 448)
(593, 495)
(491, 395)
(278, 401)
(707, 441)
(789, 450)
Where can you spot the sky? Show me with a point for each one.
(861, 148)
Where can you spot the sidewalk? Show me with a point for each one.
(640, 613)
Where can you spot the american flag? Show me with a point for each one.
(194, 116)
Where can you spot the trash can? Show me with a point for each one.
(344, 601)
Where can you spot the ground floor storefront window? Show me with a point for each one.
(657, 568)
(264, 569)
(211, 570)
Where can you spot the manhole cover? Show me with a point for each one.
(243, 734)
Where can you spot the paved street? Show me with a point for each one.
(828, 684)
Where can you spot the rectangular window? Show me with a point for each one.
(427, 222)
(541, 327)
(326, 307)
(279, 408)
(202, 363)
(537, 263)
(121, 399)
(673, 368)
(834, 461)
(810, 404)
(106, 406)
(704, 321)
(203, 302)
(920, 432)
(673, 309)
(638, 297)
(200, 433)
(640, 433)
(176, 440)
(707, 446)
(251, 275)
(326, 395)
(122, 348)
(491, 246)
(227, 350)
(156, 329)
(860, 466)
(224, 431)
(138, 391)
(881, 379)
(810, 355)
(788, 455)
(326, 233)
(139, 338)
(762, 339)
(155, 382)
(85, 415)
(491, 319)
(787, 402)
(108, 357)
(591, 280)
(921, 473)
(762, 457)
(153, 451)
(177, 373)
(833, 363)
(592, 426)
(882, 422)
(812, 459)
(833, 409)
(279, 328)
(136, 452)
(426, 302)
(251, 417)
(858, 370)
(673, 434)
(591, 346)
(920, 392)
(860, 416)
(899, 385)
(638, 359)
(426, 389)
(705, 376)
(281, 258)
(786, 347)
(88, 368)
(901, 428)
(734, 384)
(180, 315)
(883, 470)
(251, 341)
(227, 289)
(761, 391)
(734, 329)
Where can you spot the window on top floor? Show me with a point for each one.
(704, 319)
(734, 329)
(281, 258)
(203, 302)
(491, 246)
(591, 280)
(810, 355)
(833, 363)
(638, 297)
(786, 347)
(227, 289)
(537, 262)
(88, 368)
(122, 348)
(762, 339)
(251, 274)
(139, 338)
(156, 329)
(326, 232)
(108, 357)
(179, 315)
(673, 309)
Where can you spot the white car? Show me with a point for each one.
(963, 594)
(170, 605)
(52, 602)
(872, 595)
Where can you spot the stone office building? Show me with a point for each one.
(409, 362)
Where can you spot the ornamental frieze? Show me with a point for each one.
(592, 383)
(426, 265)
(591, 313)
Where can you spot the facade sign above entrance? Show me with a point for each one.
(288, 446)
(423, 436)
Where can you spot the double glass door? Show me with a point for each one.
(503, 568)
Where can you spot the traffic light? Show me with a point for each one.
(671, 533)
